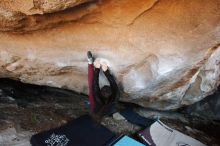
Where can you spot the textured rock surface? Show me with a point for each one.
(31, 7)
(162, 52)
(19, 15)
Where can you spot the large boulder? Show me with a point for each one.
(164, 53)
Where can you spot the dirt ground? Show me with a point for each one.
(28, 109)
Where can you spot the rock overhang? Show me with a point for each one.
(158, 50)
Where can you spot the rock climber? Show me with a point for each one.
(104, 99)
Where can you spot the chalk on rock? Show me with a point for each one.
(118, 116)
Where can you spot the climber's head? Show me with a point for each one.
(106, 91)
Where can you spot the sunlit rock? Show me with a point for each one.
(163, 53)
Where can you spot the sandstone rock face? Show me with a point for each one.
(31, 7)
(164, 53)
(18, 15)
